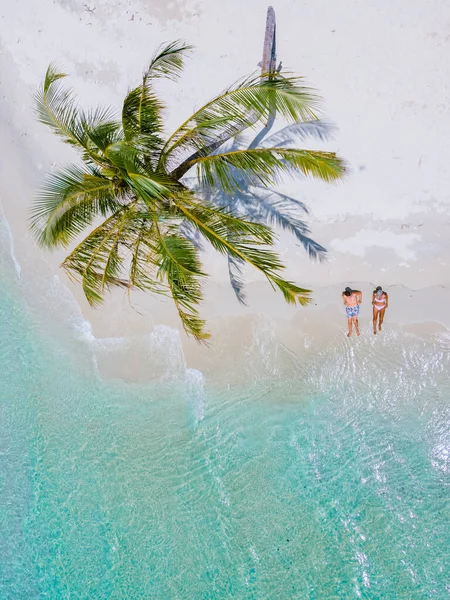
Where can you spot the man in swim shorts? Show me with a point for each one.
(352, 299)
(380, 302)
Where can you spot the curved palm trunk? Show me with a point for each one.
(268, 65)
(269, 60)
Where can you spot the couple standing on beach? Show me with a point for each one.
(352, 300)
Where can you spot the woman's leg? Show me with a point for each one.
(382, 311)
(375, 317)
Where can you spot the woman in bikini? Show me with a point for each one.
(380, 303)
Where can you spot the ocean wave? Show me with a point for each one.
(6, 234)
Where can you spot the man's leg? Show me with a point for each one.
(350, 325)
(355, 319)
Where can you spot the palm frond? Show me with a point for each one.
(238, 108)
(102, 131)
(142, 109)
(125, 156)
(55, 107)
(223, 219)
(149, 146)
(180, 266)
(242, 240)
(168, 61)
(154, 189)
(97, 260)
(68, 202)
(91, 131)
(264, 165)
(266, 206)
(292, 293)
(53, 74)
(141, 113)
(143, 267)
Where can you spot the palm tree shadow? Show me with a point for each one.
(260, 204)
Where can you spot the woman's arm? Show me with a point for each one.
(373, 298)
(387, 300)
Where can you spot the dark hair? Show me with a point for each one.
(348, 291)
(377, 289)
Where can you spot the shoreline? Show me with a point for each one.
(264, 341)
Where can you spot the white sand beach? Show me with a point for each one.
(383, 72)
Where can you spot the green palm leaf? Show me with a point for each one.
(264, 165)
(179, 265)
(142, 271)
(238, 108)
(86, 263)
(101, 130)
(98, 259)
(56, 108)
(168, 61)
(141, 114)
(69, 201)
(243, 240)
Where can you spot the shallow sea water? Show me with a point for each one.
(330, 483)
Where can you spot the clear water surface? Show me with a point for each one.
(333, 483)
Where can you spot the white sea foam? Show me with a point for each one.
(61, 300)
(69, 307)
(363, 561)
(10, 241)
(165, 349)
(440, 450)
(195, 390)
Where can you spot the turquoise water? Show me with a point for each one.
(333, 483)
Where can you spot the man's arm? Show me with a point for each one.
(358, 293)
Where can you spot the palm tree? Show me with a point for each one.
(131, 196)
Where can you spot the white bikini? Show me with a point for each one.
(379, 303)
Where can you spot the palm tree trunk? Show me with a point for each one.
(268, 65)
